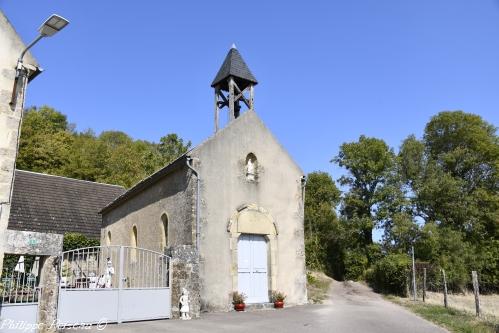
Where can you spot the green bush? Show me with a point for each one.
(74, 240)
(355, 265)
(389, 275)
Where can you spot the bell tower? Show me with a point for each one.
(234, 85)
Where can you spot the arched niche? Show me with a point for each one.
(163, 226)
(108, 238)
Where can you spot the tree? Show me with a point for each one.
(321, 198)
(49, 144)
(454, 173)
(370, 164)
(45, 140)
(171, 147)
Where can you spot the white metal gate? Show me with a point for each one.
(19, 295)
(113, 284)
(252, 268)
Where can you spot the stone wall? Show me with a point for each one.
(185, 274)
(10, 115)
(30, 242)
(172, 196)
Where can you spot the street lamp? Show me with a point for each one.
(50, 27)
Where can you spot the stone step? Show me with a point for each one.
(259, 306)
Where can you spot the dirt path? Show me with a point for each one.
(354, 307)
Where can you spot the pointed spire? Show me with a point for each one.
(233, 46)
(234, 66)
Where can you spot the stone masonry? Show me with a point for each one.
(47, 308)
(10, 115)
(185, 274)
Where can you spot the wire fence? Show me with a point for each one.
(436, 286)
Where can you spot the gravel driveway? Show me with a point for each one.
(352, 308)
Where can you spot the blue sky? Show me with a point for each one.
(329, 71)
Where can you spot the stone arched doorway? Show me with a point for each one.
(251, 223)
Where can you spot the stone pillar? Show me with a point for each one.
(47, 303)
(10, 114)
(185, 274)
(10, 122)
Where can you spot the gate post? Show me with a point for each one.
(185, 274)
(47, 304)
(120, 281)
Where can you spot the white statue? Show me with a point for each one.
(251, 169)
(109, 274)
(184, 305)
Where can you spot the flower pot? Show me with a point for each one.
(278, 304)
(239, 306)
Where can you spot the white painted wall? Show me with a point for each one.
(221, 162)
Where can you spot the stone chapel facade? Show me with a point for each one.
(237, 199)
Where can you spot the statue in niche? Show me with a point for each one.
(184, 305)
(251, 167)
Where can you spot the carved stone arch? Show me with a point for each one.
(252, 219)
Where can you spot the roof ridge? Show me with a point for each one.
(76, 179)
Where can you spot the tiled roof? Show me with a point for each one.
(54, 204)
(235, 66)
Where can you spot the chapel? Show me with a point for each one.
(237, 200)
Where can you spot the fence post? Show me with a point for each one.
(121, 254)
(476, 291)
(424, 284)
(445, 288)
(413, 276)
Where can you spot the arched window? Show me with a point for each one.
(133, 243)
(164, 231)
(108, 238)
(251, 167)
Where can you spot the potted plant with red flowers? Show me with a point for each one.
(238, 301)
(278, 299)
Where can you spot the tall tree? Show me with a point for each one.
(321, 198)
(453, 177)
(370, 165)
(454, 173)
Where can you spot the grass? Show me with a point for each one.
(453, 320)
(317, 287)
(489, 303)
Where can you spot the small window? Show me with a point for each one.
(133, 244)
(251, 167)
(134, 236)
(164, 231)
(108, 238)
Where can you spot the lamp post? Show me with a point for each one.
(50, 27)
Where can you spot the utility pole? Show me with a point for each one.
(413, 275)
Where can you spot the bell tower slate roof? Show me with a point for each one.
(234, 66)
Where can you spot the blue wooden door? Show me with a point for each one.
(252, 268)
